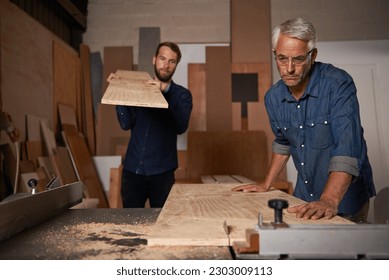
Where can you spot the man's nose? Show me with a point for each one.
(290, 66)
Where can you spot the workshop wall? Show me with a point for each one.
(117, 23)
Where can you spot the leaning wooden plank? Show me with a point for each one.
(86, 169)
(131, 88)
(193, 215)
(22, 211)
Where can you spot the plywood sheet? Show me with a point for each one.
(149, 39)
(130, 88)
(227, 152)
(250, 31)
(218, 89)
(196, 84)
(193, 215)
(89, 123)
(67, 81)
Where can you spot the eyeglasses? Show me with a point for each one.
(297, 60)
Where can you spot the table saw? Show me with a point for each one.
(198, 221)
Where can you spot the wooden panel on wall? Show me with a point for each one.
(149, 38)
(26, 66)
(237, 123)
(218, 89)
(262, 69)
(67, 81)
(259, 120)
(250, 31)
(107, 126)
(88, 119)
(196, 84)
(227, 153)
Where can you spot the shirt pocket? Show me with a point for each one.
(319, 133)
(285, 133)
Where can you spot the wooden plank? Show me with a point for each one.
(63, 166)
(208, 179)
(243, 179)
(227, 152)
(67, 115)
(131, 89)
(33, 127)
(218, 89)
(250, 31)
(89, 123)
(225, 179)
(114, 194)
(192, 208)
(149, 39)
(197, 86)
(67, 81)
(48, 137)
(86, 168)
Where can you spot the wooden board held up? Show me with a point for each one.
(131, 89)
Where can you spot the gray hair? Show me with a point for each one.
(296, 28)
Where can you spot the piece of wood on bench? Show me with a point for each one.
(225, 179)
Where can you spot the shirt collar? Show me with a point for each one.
(311, 90)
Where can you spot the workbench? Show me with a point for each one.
(197, 222)
(99, 234)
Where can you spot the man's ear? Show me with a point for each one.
(314, 55)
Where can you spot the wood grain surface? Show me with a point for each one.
(194, 215)
(131, 89)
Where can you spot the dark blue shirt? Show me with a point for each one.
(322, 132)
(152, 148)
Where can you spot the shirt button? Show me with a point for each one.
(306, 182)
(302, 145)
(312, 124)
(325, 122)
(311, 194)
(298, 106)
(302, 163)
(301, 126)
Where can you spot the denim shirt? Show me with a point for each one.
(152, 148)
(322, 132)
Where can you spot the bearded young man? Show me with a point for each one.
(314, 114)
(151, 157)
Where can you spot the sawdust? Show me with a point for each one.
(103, 240)
(110, 241)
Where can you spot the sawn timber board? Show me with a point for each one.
(131, 89)
(193, 215)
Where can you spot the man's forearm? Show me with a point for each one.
(277, 164)
(336, 186)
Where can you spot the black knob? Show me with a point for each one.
(32, 183)
(278, 205)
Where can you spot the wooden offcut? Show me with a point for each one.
(130, 88)
(193, 215)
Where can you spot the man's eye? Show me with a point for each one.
(299, 59)
(282, 59)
